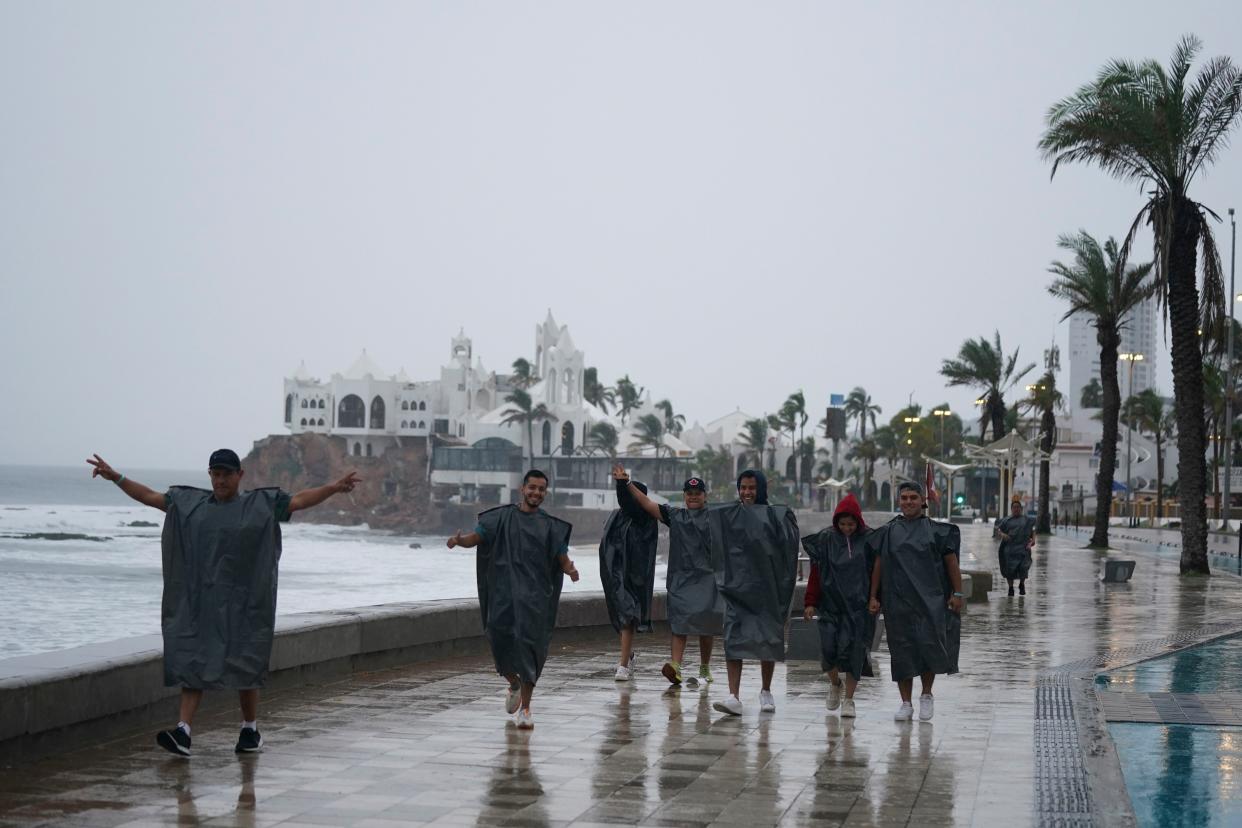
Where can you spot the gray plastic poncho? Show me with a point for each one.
(220, 567)
(843, 566)
(923, 633)
(695, 605)
(1013, 555)
(520, 580)
(627, 561)
(759, 560)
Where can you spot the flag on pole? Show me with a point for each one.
(930, 484)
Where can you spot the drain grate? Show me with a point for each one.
(1061, 794)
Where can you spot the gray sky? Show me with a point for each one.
(728, 201)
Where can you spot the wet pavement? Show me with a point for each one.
(430, 744)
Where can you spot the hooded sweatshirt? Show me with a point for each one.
(847, 506)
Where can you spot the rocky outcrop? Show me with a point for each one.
(394, 493)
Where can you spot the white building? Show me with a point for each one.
(478, 452)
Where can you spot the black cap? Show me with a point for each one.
(224, 459)
(695, 484)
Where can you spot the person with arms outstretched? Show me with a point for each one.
(520, 567)
(221, 551)
(627, 561)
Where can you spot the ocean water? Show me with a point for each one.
(75, 568)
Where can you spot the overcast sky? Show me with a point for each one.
(728, 201)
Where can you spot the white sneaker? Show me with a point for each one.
(767, 704)
(834, 696)
(523, 719)
(731, 705)
(513, 700)
(904, 713)
(927, 706)
(623, 674)
(847, 709)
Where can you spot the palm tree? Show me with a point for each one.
(649, 433)
(523, 374)
(796, 406)
(1046, 399)
(628, 397)
(673, 423)
(1155, 127)
(595, 392)
(754, 439)
(1101, 284)
(858, 407)
(865, 452)
(983, 365)
(716, 465)
(603, 436)
(1154, 418)
(523, 412)
(1092, 394)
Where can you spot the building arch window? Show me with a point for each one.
(422, 423)
(461, 429)
(321, 404)
(567, 438)
(352, 412)
(357, 449)
(368, 449)
(305, 404)
(569, 385)
(552, 377)
(547, 437)
(422, 406)
(304, 422)
(321, 421)
(405, 406)
(377, 413)
(288, 408)
(405, 424)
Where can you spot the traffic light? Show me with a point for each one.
(960, 499)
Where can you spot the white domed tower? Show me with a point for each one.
(558, 363)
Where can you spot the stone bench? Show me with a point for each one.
(1115, 571)
(980, 584)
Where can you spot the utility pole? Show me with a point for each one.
(1229, 372)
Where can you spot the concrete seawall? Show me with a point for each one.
(58, 701)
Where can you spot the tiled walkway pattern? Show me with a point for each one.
(431, 743)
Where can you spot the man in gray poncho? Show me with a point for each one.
(693, 597)
(221, 551)
(1017, 536)
(917, 580)
(522, 560)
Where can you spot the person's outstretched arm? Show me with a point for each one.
(143, 494)
(645, 503)
(469, 540)
(308, 498)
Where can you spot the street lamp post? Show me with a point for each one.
(1130, 358)
(942, 413)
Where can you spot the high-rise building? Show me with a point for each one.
(1138, 336)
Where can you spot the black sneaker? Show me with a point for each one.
(1011, 591)
(1022, 589)
(174, 741)
(248, 741)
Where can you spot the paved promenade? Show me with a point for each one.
(431, 743)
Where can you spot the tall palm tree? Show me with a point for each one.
(628, 397)
(1103, 285)
(595, 392)
(715, 465)
(1092, 394)
(1046, 399)
(524, 375)
(673, 423)
(1155, 127)
(649, 433)
(796, 406)
(524, 413)
(865, 453)
(983, 365)
(1156, 419)
(858, 407)
(603, 436)
(754, 440)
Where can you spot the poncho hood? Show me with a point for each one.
(761, 485)
(849, 506)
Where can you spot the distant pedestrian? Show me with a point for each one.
(520, 566)
(221, 551)
(1017, 537)
(695, 606)
(837, 591)
(627, 561)
(919, 582)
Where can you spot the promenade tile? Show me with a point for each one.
(430, 744)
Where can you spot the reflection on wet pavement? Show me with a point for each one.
(430, 744)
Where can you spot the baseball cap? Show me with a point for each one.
(695, 484)
(224, 459)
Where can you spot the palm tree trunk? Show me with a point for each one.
(1043, 524)
(1108, 340)
(1159, 479)
(1183, 305)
